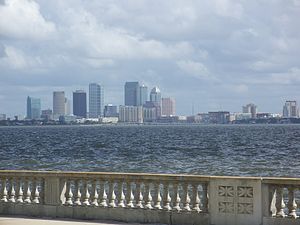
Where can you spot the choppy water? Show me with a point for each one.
(248, 150)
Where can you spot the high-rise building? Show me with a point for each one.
(47, 114)
(290, 109)
(155, 98)
(79, 103)
(33, 108)
(67, 107)
(132, 93)
(131, 114)
(250, 108)
(143, 95)
(168, 106)
(110, 111)
(96, 100)
(59, 104)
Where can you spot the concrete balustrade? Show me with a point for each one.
(150, 198)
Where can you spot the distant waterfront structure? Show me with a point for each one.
(143, 95)
(132, 93)
(79, 103)
(131, 114)
(2, 117)
(110, 111)
(67, 107)
(220, 117)
(96, 100)
(47, 114)
(33, 108)
(150, 112)
(250, 108)
(290, 109)
(155, 98)
(168, 106)
(58, 104)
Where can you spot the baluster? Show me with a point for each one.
(4, 191)
(69, 194)
(292, 205)
(12, 191)
(176, 198)
(148, 197)
(103, 195)
(204, 198)
(121, 195)
(77, 193)
(196, 199)
(279, 202)
(157, 196)
(94, 194)
(20, 190)
(186, 198)
(27, 191)
(86, 196)
(139, 195)
(129, 195)
(112, 195)
(35, 192)
(166, 197)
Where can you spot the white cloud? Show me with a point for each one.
(22, 19)
(195, 69)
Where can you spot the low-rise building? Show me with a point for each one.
(131, 114)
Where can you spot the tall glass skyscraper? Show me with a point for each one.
(143, 95)
(58, 103)
(132, 93)
(79, 103)
(33, 108)
(96, 100)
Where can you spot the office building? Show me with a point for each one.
(132, 93)
(143, 95)
(96, 100)
(290, 109)
(168, 106)
(79, 103)
(33, 108)
(221, 117)
(58, 104)
(250, 108)
(110, 111)
(155, 98)
(47, 114)
(67, 107)
(131, 114)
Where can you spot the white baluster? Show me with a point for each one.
(196, 199)
(279, 202)
(186, 198)
(69, 194)
(177, 198)
(103, 194)
(27, 192)
(129, 195)
(12, 191)
(112, 195)
(121, 195)
(292, 205)
(77, 193)
(36, 194)
(139, 195)
(20, 191)
(4, 191)
(148, 197)
(94, 193)
(157, 196)
(166, 197)
(86, 194)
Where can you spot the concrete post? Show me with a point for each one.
(55, 189)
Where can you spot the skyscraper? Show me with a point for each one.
(79, 103)
(58, 104)
(168, 106)
(96, 100)
(143, 95)
(290, 109)
(33, 108)
(250, 108)
(132, 93)
(155, 98)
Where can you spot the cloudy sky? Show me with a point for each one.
(213, 54)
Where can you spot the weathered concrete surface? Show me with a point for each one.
(35, 221)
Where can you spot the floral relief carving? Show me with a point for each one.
(245, 208)
(226, 207)
(245, 192)
(226, 191)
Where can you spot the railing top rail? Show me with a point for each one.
(142, 176)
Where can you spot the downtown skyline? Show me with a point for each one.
(208, 55)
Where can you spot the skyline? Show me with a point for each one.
(208, 55)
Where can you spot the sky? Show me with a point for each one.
(209, 55)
